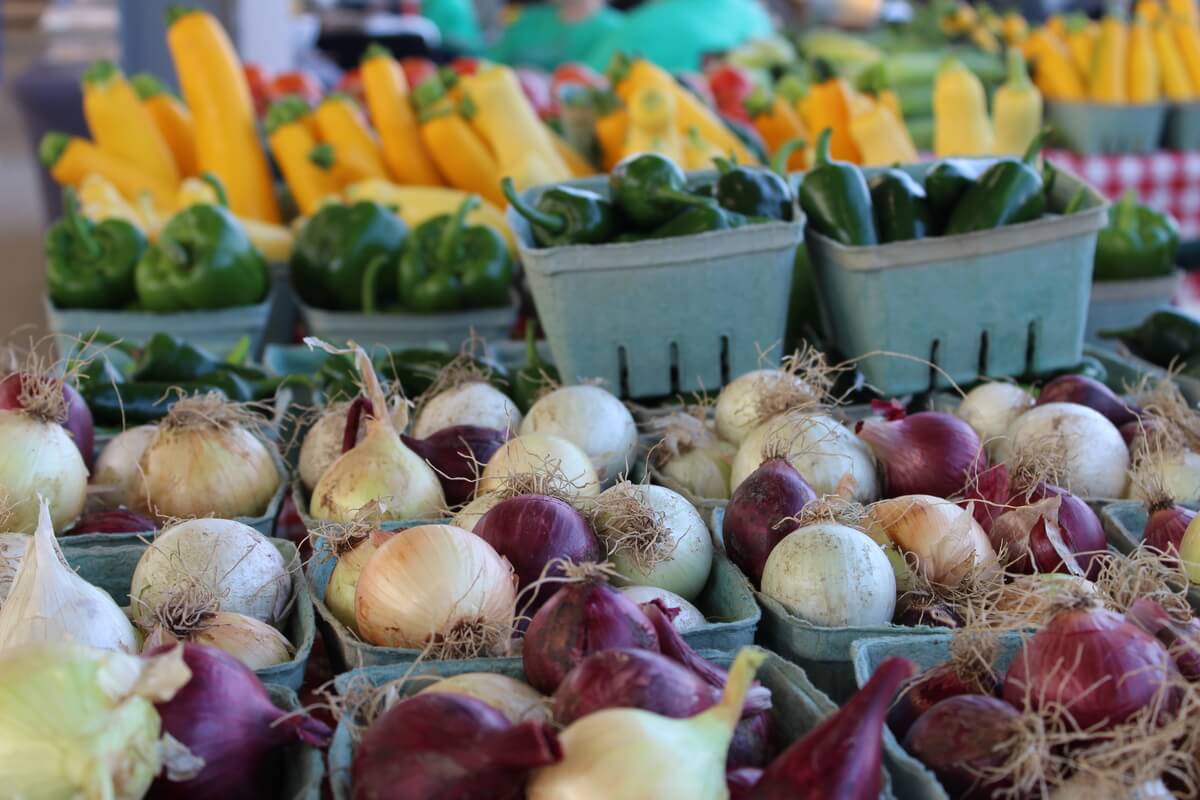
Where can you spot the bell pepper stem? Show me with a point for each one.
(80, 225)
(452, 233)
(212, 180)
(1125, 212)
(551, 222)
(322, 156)
(780, 160)
(370, 280)
(822, 157)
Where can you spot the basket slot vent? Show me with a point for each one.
(933, 363)
(1031, 347)
(674, 357)
(983, 354)
(725, 377)
(623, 369)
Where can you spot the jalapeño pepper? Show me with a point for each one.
(699, 219)
(753, 191)
(534, 375)
(1163, 336)
(649, 189)
(945, 184)
(1009, 192)
(899, 205)
(837, 200)
(564, 215)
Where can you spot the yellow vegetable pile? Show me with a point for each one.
(962, 126)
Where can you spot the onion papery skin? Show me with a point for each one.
(930, 453)
(990, 408)
(739, 404)
(1120, 671)
(436, 746)
(456, 456)
(117, 467)
(475, 403)
(828, 454)
(741, 782)
(1038, 542)
(754, 518)
(531, 531)
(594, 420)
(959, 736)
(79, 423)
(343, 582)
(925, 691)
(224, 716)
(684, 616)
(535, 452)
(118, 521)
(988, 495)
(580, 619)
(1182, 639)
(947, 541)
(40, 458)
(1085, 391)
(1165, 528)
(516, 700)
(469, 515)
(1093, 460)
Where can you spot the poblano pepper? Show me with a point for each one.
(1162, 337)
(1009, 192)
(90, 264)
(899, 205)
(564, 215)
(753, 191)
(449, 265)
(649, 189)
(837, 200)
(946, 183)
(339, 246)
(1138, 242)
(203, 259)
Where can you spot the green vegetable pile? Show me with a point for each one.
(1166, 338)
(1137, 243)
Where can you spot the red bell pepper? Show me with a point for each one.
(260, 87)
(464, 65)
(731, 87)
(572, 72)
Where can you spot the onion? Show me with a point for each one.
(1165, 528)
(947, 542)
(1088, 453)
(232, 561)
(690, 454)
(755, 519)
(592, 419)
(749, 399)
(991, 408)
(1097, 666)
(927, 453)
(832, 576)
(741, 782)
(1035, 599)
(204, 460)
(1176, 475)
(325, 440)
(914, 609)
(456, 455)
(475, 403)
(224, 716)
(1085, 391)
(532, 532)
(536, 452)
(469, 515)
(436, 585)
(962, 737)
(684, 616)
(516, 700)
(23, 390)
(987, 495)
(968, 672)
(581, 618)
(253, 643)
(433, 746)
(655, 538)
(1057, 532)
(831, 458)
(40, 459)
(343, 581)
(1189, 551)
(12, 550)
(1182, 639)
(1085, 786)
(118, 521)
(117, 468)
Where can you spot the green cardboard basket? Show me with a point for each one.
(1124, 523)
(301, 766)
(1009, 301)
(798, 707)
(1103, 128)
(1183, 127)
(1128, 369)
(111, 569)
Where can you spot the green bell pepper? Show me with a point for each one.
(449, 265)
(900, 206)
(945, 184)
(649, 189)
(203, 259)
(342, 255)
(535, 375)
(837, 200)
(88, 264)
(564, 215)
(1009, 192)
(1163, 336)
(753, 191)
(1138, 242)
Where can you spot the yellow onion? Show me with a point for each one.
(472, 512)
(116, 475)
(40, 458)
(256, 644)
(539, 452)
(516, 700)
(343, 581)
(323, 442)
(944, 538)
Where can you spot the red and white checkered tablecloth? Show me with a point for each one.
(1168, 180)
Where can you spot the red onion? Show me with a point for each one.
(927, 690)
(358, 406)
(1182, 639)
(224, 716)
(990, 491)
(741, 782)
(1133, 431)
(456, 455)
(120, 521)
(1165, 528)
(1100, 667)
(79, 417)
(961, 736)
(631, 678)
(931, 453)
(579, 619)
(531, 531)
(1089, 392)
(441, 746)
(1048, 536)
(754, 518)
(840, 759)
(913, 610)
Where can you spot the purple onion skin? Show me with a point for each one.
(442, 746)
(922, 693)
(960, 735)
(531, 531)
(580, 619)
(456, 455)
(1079, 530)
(1085, 391)
(990, 492)
(931, 453)
(741, 782)
(120, 521)
(224, 715)
(1165, 528)
(631, 678)
(1182, 640)
(79, 421)
(753, 522)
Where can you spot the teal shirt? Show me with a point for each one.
(538, 38)
(457, 21)
(676, 33)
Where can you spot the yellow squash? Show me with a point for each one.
(1187, 39)
(172, 118)
(1053, 70)
(1110, 70)
(961, 126)
(121, 125)
(292, 143)
(71, 159)
(880, 136)
(399, 132)
(1177, 84)
(1149, 10)
(457, 150)
(1145, 77)
(100, 200)
(1017, 109)
(1082, 34)
(416, 204)
(610, 135)
(340, 122)
(1184, 10)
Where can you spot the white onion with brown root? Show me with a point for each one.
(324, 441)
(40, 459)
(592, 419)
(530, 454)
(991, 408)
(474, 402)
(116, 475)
(945, 540)
(1086, 452)
(692, 455)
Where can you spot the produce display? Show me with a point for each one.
(1139, 242)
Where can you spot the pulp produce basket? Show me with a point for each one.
(1125, 523)
(1102, 128)
(1126, 369)
(111, 569)
(300, 767)
(445, 330)
(662, 316)
(797, 707)
(1002, 302)
(1183, 127)
(1123, 304)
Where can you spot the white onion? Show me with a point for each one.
(470, 514)
(704, 471)
(1088, 450)
(516, 700)
(991, 408)
(323, 442)
(12, 550)
(677, 559)
(117, 466)
(40, 458)
(474, 403)
(831, 575)
(537, 452)
(252, 642)
(343, 582)
(689, 617)
(1177, 474)
(740, 405)
(594, 420)
(236, 563)
(436, 582)
(825, 452)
